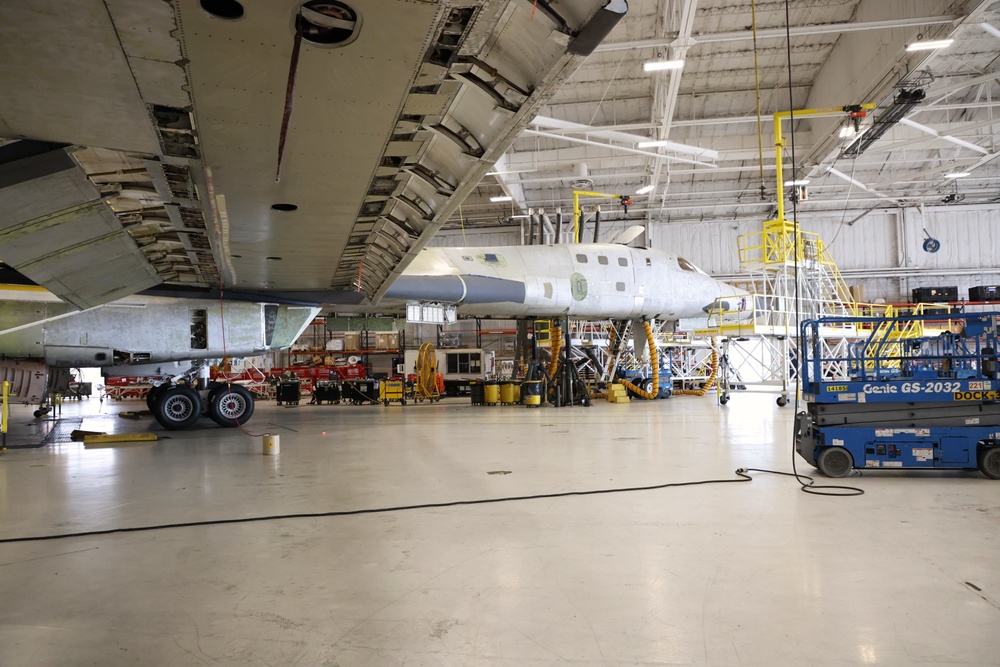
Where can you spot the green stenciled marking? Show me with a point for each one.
(578, 286)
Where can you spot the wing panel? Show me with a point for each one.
(345, 104)
(75, 71)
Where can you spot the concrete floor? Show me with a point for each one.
(736, 574)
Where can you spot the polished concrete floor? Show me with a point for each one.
(735, 574)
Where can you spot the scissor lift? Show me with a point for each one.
(902, 402)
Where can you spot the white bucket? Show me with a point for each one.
(272, 445)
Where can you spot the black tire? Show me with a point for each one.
(153, 394)
(989, 462)
(835, 462)
(723, 400)
(782, 401)
(178, 408)
(230, 405)
(647, 386)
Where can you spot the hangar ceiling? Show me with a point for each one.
(841, 52)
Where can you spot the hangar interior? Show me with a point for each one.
(460, 530)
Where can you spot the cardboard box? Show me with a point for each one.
(387, 341)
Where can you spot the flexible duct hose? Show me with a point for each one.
(654, 359)
(708, 383)
(427, 372)
(556, 349)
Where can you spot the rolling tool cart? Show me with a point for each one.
(910, 393)
(288, 390)
(326, 391)
(359, 392)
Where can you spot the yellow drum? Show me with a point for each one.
(491, 393)
(510, 392)
(533, 393)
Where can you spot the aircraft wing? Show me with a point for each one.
(261, 145)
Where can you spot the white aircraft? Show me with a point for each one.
(257, 148)
(599, 280)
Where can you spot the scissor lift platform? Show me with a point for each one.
(903, 403)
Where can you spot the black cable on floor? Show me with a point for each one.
(741, 472)
(811, 487)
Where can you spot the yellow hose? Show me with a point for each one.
(708, 383)
(556, 349)
(655, 361)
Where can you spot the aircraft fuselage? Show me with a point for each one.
(575, 280)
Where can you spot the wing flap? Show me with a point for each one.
(57, 230)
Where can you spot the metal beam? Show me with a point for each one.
(773, 33)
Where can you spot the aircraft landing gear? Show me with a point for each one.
(177, 407)
(229, 405)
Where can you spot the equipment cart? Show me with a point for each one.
(911, 392)
(288, 390)
(359, 392)
(328, 391)
(392, 390)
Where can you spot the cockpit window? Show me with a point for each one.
(688, 266)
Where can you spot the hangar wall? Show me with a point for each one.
(881, 251)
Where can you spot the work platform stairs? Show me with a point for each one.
(781, 269)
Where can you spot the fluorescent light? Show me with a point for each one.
(847, 132)
(502, 198)
(930, 45)
(646, 189)
(657, 65)
(798, 182)
(511, 171)
(519, 217)
(957, 174)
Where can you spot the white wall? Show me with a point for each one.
(882, 250)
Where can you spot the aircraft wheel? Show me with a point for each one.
(835, 462)
(153, 395)
(177, 408)
(230, 405)
(782, 401)
(989, 462)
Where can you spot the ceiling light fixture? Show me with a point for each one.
(847, 132)
(511, 171)
(646, 189)
(930, 45)
(801, 181)
(958, 174)
(660, 65)
(501, 198)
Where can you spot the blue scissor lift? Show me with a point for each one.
(889, 399)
